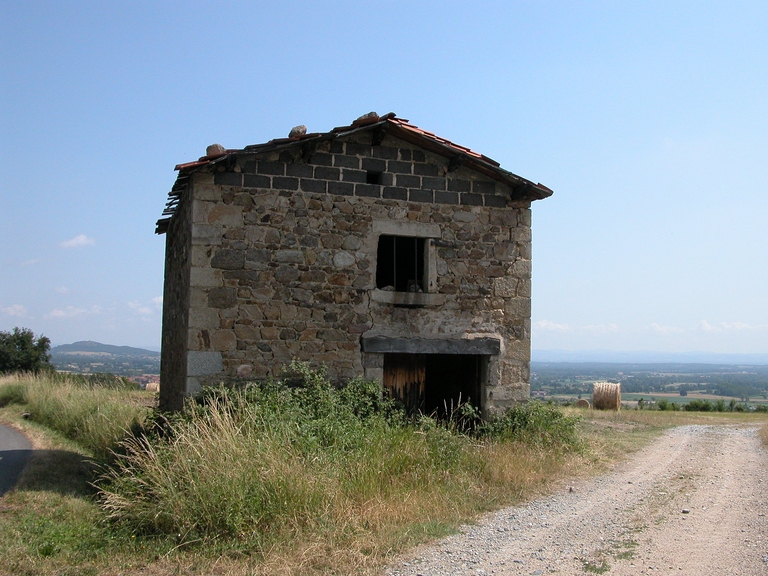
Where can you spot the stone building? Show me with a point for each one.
(375, 249)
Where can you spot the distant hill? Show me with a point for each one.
(89, 357)
(91, 348)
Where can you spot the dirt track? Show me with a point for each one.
(693, 503)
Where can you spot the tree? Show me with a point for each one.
(19, 351)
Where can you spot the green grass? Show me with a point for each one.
(295, 477)
(95, 415)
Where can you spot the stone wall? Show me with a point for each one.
(283, 260)
(173, 359)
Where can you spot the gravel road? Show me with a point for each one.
(692, 503)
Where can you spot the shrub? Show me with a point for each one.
(535, 423)
(719, 406)
(663, 405)
(698, 405)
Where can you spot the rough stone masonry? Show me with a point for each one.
(376, 249)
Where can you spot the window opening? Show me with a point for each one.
(400, 264)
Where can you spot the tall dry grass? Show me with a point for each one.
(93, 415)
(277, 469)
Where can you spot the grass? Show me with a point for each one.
(293, 478)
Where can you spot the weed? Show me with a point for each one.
(600, 566)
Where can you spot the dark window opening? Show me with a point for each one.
(400, 264)
(434, 383)
(373, 177)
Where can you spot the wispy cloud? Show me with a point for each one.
(61, 290)
(14, 310)
(601, 328)
(68, 312)
(551, 326)
(157, 300)
(705, 326)
(71, 312)
(140, 308)
(78, 241)
(666, 329)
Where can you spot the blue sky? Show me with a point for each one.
(647, 119)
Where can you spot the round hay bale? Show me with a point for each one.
(153, 387)
(606, 396)
(583, 403)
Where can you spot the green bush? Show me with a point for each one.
(536, 423)
(698, 405)
(719, 406)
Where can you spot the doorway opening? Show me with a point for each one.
(435, 383)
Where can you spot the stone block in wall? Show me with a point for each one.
(203, 363)
(200, 211)
(205, 277)
(505, 251)
(517, 307)
(289, 256)
(203, 318)
(226, 215)
(223, 340)
(222, 298)
(505, 287)
(246, 332)
(520, 268)
(517, 352)
(207, 234)
(520, 234)
(228, 259)
(343, 259)
(375, 374)
(193, 386)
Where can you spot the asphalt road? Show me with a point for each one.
(15, 449)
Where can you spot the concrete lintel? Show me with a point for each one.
(475, 346)
(406, 228)
(407, 298)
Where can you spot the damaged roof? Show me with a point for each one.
(388, 124)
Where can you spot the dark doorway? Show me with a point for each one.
(436, 383)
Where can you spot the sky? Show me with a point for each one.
(647, 119)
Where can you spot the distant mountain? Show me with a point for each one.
(644, 356)
(91, 348)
